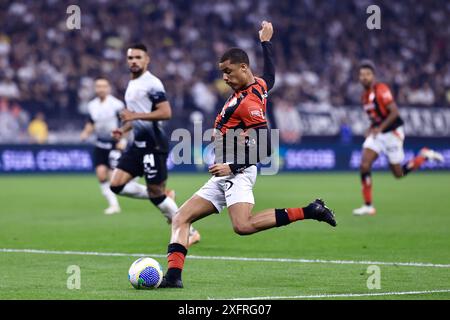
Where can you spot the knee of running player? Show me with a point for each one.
(398, 175)
(365, 167)
(155, 191)
(243, 227)
(117, 189)
(102, 178)
(102, 173)
(398, 172)
(180, 219)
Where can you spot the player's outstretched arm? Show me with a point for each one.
(162, 111)
(265, 35)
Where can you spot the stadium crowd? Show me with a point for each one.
(46, 67)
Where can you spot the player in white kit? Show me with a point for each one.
(103, 118)
(146, 108)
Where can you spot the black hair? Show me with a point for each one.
(235, 55)
(367, 64)
(139, 46)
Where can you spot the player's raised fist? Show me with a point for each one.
(266, 32)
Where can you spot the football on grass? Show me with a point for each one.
(145, 273)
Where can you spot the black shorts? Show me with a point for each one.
(106, 157)
(142, 162)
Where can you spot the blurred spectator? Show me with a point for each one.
(288, 121)
(421, 96)
(38, 129)
(20, 115)
(318, 45)
(345, 132)
(204, 98)
(9, 126)
(8, 88)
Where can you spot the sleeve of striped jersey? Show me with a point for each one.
(384, 94)
(269, 65)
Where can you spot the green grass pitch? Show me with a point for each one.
(65, 213)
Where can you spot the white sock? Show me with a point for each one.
(109, 195)
(168, 208)
(135, 190)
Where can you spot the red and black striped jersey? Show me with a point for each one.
(375, 102)
(244, 109)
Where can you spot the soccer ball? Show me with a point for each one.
(145, 273)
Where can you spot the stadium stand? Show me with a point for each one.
(46, 67)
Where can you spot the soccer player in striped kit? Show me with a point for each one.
(231, 184)
(385, 135)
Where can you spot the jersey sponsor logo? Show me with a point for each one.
(256, 112)
(228, 185)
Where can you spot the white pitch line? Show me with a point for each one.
(82, 253)
(345, 295)
(118, 254)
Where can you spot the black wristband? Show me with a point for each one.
(238, 168)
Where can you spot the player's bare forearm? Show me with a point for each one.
(163, 111)
(127, 126)
(87, 131)
(153, 116)
(119, 133)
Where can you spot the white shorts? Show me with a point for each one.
(225, 191)
(389, 143)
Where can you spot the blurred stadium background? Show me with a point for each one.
(47, 71)
(46, 79)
